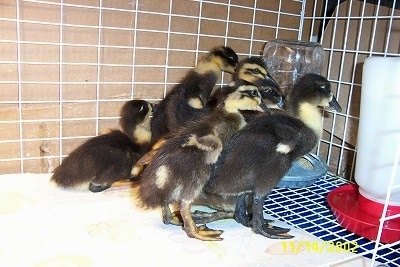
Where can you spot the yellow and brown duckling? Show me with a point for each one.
(186, 101)
(260, 154)
(254, 70)
(181, 166)
(107, 158)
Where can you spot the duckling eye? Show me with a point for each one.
(256, 71)
(232, 59)
(253, 93)
(324, 86)
(142, 108)
(270, 92)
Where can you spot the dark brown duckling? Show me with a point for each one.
(186, 101)
(254, 70)
(181, 166)
(107, 158)
(260, 154)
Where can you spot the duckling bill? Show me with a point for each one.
(182, 165)
(107, 158)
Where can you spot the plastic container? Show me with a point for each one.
(288, 60)
(304, 172)
(359, 208)
(379, 129)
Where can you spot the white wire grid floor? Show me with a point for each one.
(307, 209)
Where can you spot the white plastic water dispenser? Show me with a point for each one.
(379, 129)
(359, 207)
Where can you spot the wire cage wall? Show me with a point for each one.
(67, 66)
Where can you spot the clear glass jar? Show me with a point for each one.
(288, 60)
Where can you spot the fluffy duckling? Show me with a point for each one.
(181, 166)
(186, 100)
(254, 70)
(107, 158)
(259, 155)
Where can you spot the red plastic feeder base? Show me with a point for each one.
(345, 203)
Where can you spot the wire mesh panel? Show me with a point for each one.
(350, 32)
(307, 209)
(67, 66)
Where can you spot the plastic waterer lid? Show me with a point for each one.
(304, 172)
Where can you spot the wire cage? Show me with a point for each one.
(67, 66)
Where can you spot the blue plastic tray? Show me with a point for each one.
(302, 175)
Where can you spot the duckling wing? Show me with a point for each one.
(208, 142)
(240, 163)
(189, 103)
(184, 103)
(159, 122)
(259, 155)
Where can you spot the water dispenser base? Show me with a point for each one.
(345, 205)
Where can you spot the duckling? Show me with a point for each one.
(186, 101)
(260, 154)
(254, 70)
(181, 166)
(107, 158)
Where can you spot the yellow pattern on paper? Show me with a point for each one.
(12, 202)
(118, 230)
(66, 261)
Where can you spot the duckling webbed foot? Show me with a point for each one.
(205, 231)
(202, 217)
(95, 188)
(259, 226)
(199, 217)
(169, 217)
(272, 232)
(202, 232)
